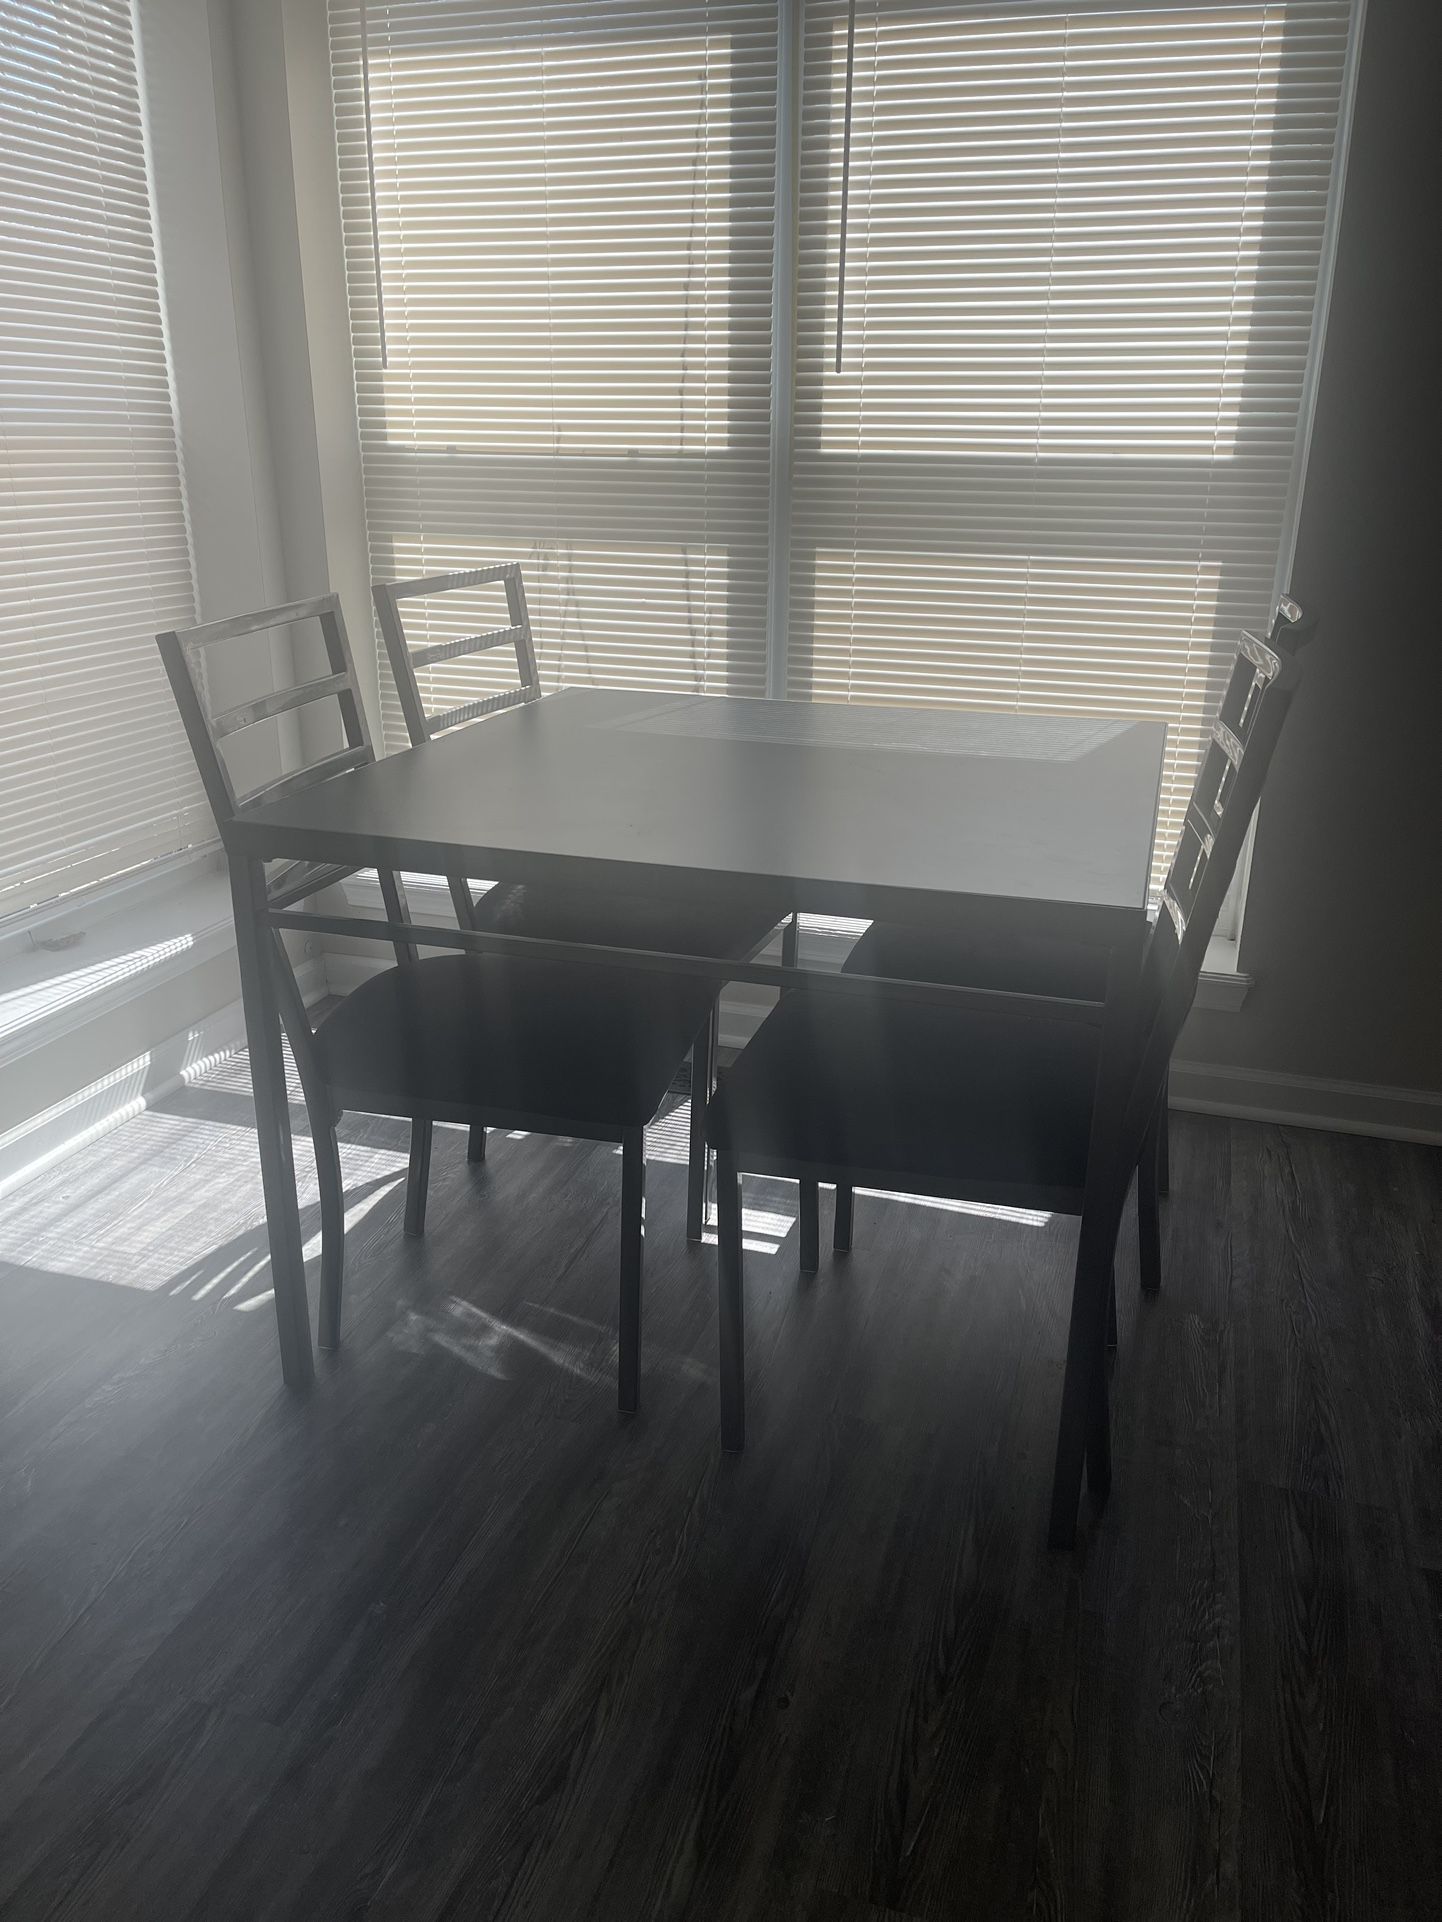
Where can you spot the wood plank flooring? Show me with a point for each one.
(446, 1639)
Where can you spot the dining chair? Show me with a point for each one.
(1027, 963)
(547, 912)
(549, 1047)
(1007, 1097)
(986, 958)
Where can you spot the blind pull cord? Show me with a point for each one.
(371, 182)
(845, 180)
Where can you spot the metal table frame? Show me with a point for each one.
(316, 826)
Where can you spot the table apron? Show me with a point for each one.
(1085, 922)
(715, 968)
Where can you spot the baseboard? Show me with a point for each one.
(83, 1117)
(1304, 1101)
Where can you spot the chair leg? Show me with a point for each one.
(476, 1142)
(1149, 1214)
(703, 1052)
(1112, 1310)
(713, 1082)
(418, 1177)
(1099, 1443)
(633, 1250)
(790, 941)
(1164, 1145)
(731, 1314)
(810, 1227)
(842, 1224)
(1083, 1432)
(332, 1233)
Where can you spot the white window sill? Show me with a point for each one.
(1223, 987)
(128, 943)
(428, 894)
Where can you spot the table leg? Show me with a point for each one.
(790, 941)
(1083, 1429)
(255, 945)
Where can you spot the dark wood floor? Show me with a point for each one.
(444, 1639)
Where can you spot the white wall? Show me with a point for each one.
(204, 247)
(290, 190)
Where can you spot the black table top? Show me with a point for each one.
(906, 813)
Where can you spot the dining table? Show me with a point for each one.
(1003, 823)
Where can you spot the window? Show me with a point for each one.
(1046, 424)
(1055, 277)
(558, 238)
(95, 774)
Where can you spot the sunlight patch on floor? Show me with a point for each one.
(172, 1202)
(763, 1230)
(988, 1210)
(486, 1343)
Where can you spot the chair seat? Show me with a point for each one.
(572, 1042)
(954, 1101)
(1026, 964)
(627, 921)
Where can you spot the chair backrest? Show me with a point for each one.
(1264, 677)
(422, 725)
(405, 660)
(185, 653)
(185, 656)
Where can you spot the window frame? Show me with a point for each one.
(1223, 961)
(1223, 953)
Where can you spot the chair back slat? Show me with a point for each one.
(283, 701)
(236, 625)
(474, 710)
(425, 584)
(297, 880)
(468, 644)
(1227, 742)
(341, 762)
(421, 723)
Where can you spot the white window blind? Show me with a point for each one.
(558, 226)
(95, 774)
(1081, 261)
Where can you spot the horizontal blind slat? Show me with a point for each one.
(573, 209)
(95, 773)
(1081, 263)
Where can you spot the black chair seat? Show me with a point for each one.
(949, 1100)
(1024, 964)
(626, 921)
(595, 1046)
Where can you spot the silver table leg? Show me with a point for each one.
(254, 943)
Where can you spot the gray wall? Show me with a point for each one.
(1343, 927)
